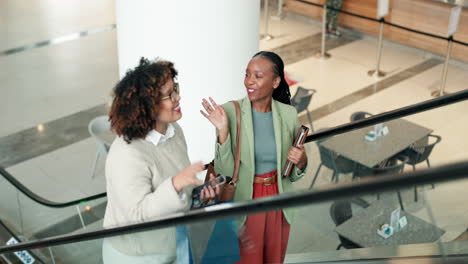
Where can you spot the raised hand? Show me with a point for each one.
(215, 113)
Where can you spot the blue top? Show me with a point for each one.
(264, 142)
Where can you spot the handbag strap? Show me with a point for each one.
(235, 176)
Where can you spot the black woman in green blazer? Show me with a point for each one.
(267, 93)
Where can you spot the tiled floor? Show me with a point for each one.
(288, 30)
(55, 82)
(37, 82)
(25, 22)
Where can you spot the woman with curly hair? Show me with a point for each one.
(148, 173)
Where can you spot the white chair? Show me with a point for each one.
(97, 126)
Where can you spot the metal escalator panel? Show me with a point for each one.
(3, 260)
(7, 237)
(37, 214)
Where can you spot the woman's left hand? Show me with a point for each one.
(208, 193)
(298, 156)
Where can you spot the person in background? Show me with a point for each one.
(269, 125)
(332, 17)
(148, 173)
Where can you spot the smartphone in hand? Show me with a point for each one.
(197, 202)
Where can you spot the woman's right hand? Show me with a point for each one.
(188, 177)
(218, 117)
(215, 113)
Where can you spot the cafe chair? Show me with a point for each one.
(340, 212)
(338, 164)
(395, 165)
(419, 154)
(99, 125)
(301, 101)
(359, 115)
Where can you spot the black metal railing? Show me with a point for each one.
(451, 172)
(387, 23)
(286, 200)
(33, 196)
(390, 115)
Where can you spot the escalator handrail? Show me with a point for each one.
(391, 115)
(332, 192)
(35, 197)
(387, 116)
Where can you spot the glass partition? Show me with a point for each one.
(30, 220)
(425, 220)
(371, 226)
(413, 143)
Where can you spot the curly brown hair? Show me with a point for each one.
(136, 98)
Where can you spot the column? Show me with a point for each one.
(210, 42)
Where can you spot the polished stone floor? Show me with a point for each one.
(53, 90)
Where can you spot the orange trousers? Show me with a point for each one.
(264, 238)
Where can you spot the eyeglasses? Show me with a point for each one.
(174, 95)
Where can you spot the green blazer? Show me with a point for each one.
(285, 124)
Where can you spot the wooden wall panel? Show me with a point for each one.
(423, 15)
(462, 33)
(305, 9)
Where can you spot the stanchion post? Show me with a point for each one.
(377, 72)
(81, 217)
(441, 91)
(382, 12)
(323, 53)
(454, 20)
(266, 35)
(279, 13)
(51, 255)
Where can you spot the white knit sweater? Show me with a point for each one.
(139, 188)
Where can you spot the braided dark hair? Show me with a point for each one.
(281, 93)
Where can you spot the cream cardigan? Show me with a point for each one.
(139, 188)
